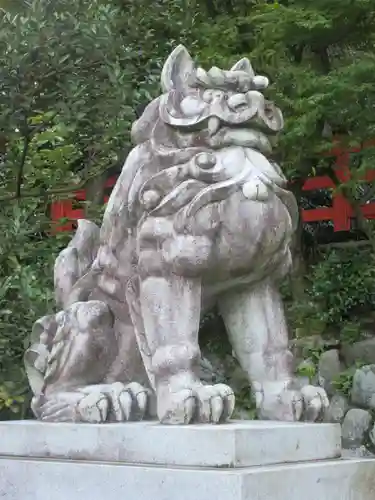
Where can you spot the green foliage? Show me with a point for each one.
(343, 383)
(339, 295)
(350, 332)
(342, 284)
(10, 402)
(66, 93)
(306, 369)
(71, 77)
(245, 403)
(317, 54)
(26, 259)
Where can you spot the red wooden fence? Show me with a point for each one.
(64, 209)
(339, 213)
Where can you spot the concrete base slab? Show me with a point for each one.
(22, 479)
(237, 444)
(147, 461)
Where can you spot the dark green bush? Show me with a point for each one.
(339, 294)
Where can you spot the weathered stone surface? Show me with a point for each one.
(238, 444)
(22, 479)
(355, 427)
(363, 351)
(146, 461)
(363, 391)
(338, 407)
(329, 368)
(200, 216)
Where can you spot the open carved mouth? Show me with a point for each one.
(239, 110)
(213, 125)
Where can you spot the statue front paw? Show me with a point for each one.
(195, 404)
(315, 403)
(128, 402)
(94, 404)
(73, 407)
(308, 403)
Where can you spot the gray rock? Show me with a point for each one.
(337, 410)
(361, 452)
(329, 368)
(355, 427)
(363, 390)
(372, 435)
(300, 345)
(363, 351)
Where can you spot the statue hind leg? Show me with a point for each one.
(77, 367)
(79, 351)
(256, 326)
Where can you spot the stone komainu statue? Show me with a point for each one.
(199, 216)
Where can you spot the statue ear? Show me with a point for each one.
(177, 69)
(243, 65)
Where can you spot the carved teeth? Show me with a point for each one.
(213, 125)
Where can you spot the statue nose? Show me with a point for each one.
(237, 101)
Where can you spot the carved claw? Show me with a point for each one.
(199, 404)
(308, 404)
(128, 402)
(93, 408)
(316, 403)
(178, 409)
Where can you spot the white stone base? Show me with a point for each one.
(237, 444)
(22, 479)
(100, 463)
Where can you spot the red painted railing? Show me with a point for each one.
(64, 209)
(340, 213)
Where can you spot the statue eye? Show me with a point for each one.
(191, 106)
(207, 96)
(218, 94)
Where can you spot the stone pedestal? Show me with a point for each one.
(147, 461)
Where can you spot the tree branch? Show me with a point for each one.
(50, 192)
(297, 52)
(28, 135)
(19, 179)
(325, 63)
